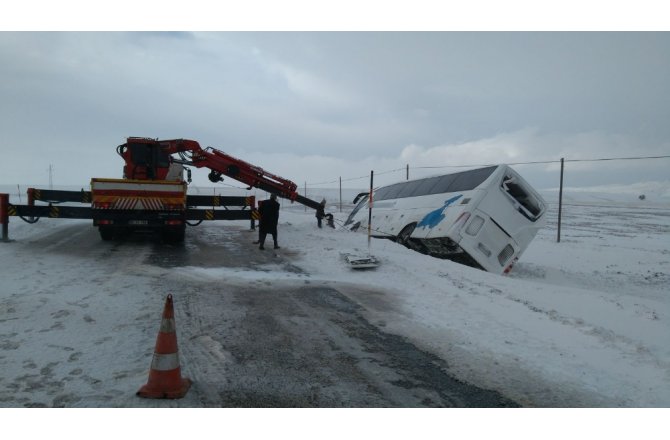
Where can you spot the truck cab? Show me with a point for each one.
(145, 159)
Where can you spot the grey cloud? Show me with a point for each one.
(349, 96)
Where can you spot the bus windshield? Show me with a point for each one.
(530, 206)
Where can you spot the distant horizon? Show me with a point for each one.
(652, 190)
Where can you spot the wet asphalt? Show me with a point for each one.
(244, 341)
(301, 343)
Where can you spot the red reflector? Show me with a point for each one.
(173, 222)
(105, 222)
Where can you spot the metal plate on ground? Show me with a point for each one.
(361, 261)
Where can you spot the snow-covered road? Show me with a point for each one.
(79, 332)
(579, 323)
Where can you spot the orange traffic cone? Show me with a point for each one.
(165, 381)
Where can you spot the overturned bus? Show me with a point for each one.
(485, 217)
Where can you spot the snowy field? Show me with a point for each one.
(587, 318)
(580, 323)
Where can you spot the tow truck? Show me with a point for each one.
(152, 194)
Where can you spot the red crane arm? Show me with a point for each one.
(221, 163)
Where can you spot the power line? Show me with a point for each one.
(617, 158)
(550, 161)
(489, 164)
(356, 178)
(620, 207)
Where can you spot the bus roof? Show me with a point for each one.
(459, 181)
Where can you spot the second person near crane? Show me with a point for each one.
(269, 211)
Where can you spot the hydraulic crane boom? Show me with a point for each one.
(152, 194)
(155, 166)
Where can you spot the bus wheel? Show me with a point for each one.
(403, 236)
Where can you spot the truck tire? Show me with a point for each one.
(106, 233)
(174, 235)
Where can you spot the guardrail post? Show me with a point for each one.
(252, 205)
(4, 216)
(31, 199)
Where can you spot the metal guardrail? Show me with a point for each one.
(219, 209)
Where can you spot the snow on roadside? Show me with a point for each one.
(587, 317)
(583, 322)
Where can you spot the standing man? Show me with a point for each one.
(320, 212)
(269, 211)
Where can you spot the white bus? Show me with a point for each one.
(484, 218)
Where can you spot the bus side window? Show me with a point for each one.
(442, 185)
(393, 191)
(470, 179)
(361, 204)
(426, 186)
(409, 189)
(380, 194)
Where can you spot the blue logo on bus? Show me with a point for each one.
(434, 218)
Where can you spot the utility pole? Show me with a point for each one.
(560, 203)
(340, 193)
(372, 174)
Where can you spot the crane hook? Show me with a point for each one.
(215, 176)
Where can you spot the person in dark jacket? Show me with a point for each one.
(320, 212)
(269, 211)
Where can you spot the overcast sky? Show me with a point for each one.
(313, 107)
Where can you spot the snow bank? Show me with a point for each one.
(584, 322)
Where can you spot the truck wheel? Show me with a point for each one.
(106, 233)
(174, 235)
